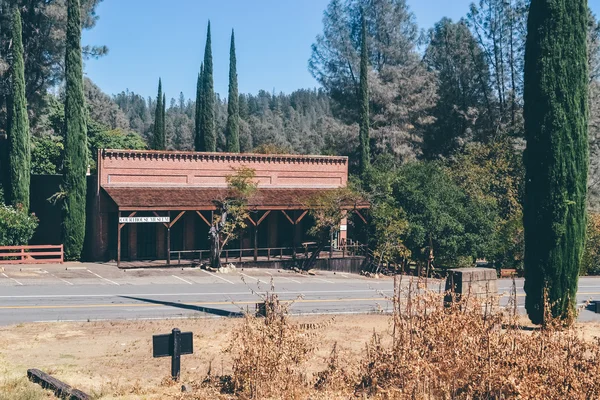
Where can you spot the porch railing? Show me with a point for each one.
(268, 253)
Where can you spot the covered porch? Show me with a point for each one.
(169, 226)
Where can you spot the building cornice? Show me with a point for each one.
(205, 156)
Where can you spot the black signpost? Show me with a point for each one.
(174, 344)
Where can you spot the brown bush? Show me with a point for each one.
(470, 349)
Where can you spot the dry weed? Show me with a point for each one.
(467, 349)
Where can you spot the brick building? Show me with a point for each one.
(175, 190)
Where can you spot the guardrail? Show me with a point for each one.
(40, 254)
(348, 250)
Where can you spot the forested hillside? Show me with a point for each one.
(445, 107)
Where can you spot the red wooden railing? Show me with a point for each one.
(43, 254)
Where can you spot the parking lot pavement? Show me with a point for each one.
(73, 274)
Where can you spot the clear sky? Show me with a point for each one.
(152, 38)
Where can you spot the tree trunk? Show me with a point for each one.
(310, 262)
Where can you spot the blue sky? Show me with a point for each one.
(152, 38)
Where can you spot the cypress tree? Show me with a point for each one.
(18, 124)
(75, 137)
(163, 120)
(208, 98)
(232, 132)
(556, 157)
(199, 137)
(365, 154)
(157, 138)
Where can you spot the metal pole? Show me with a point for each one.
(176, 359)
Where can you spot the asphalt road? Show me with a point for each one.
(82, 292)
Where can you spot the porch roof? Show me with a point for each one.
(202, 198)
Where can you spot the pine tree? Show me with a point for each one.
(157, 138)
(208, 99)
(198, 134)
(75, 137)
(556, 158)
(365, 155)
(18, 124)
(232, 132)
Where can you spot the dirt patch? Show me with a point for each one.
(114, 359)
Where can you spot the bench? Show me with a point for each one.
(507, 273)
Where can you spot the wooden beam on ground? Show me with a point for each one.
(288, 217)
(301, 216)
(360, 215)
(263, 217)
(203, 218)
(60, 389)
(176, 218)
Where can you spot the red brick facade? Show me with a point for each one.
(170, 182)
(170, 168)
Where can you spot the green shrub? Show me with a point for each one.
(16, 226)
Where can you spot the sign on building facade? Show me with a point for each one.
(137, 220)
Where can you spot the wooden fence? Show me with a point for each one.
(45, 254)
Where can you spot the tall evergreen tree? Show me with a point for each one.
(208, 101)
(163, 120)
(75, 137)
(232, 132)
(365, 157)
(158, 137)
(18, 123)
(556, 158)
(198, 134)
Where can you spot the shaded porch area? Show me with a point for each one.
(159, 227)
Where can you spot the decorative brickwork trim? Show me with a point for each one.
(243, 157)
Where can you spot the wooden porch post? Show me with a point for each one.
(294, 237)
(169, 240)
(119, 239)
(256, 242)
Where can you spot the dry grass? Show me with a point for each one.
(471, 349)
(424, 350)
(13, 387)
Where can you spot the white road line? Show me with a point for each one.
(58, 296)
(107, 280)
(181, 279)
(345, 276)
(325, 280)
(64, 280)
(6, 276)
(251, 277)
(217, 276)
(283, 277)
(289, 279)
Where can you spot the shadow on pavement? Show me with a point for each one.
(208, 310)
